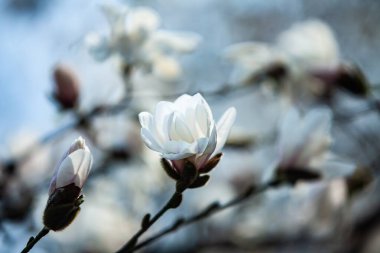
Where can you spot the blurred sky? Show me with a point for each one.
(35, 34)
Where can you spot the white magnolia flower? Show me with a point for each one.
(303, 140)
(186, 130)
(136, 38)
(73, 168)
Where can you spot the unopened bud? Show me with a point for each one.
(66, 186)
(66, 89)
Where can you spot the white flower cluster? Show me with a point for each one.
(307, 45)
(136, 37)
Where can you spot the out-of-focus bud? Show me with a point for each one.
(66, 186)
(66, 89)
(345, 76)
(352, 79)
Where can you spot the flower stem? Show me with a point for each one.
(207, 212)
(33, 240)
(173, 202)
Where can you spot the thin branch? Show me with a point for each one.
(207, 212)
(173, 202)
(33, 240)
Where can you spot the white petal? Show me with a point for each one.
(202, 119)
(175, 150)
(74, 169)
(84, 169)
(179, 131)
(316, 136)
(223, 128)
(191, 122)
(292, 118)
(212, 141)
(166, 68)
(143, 18)
(310, 44)
(185, 101)
(175, 41)
(146, 120)
(206, 147)
(150, 140)
(318, 120)
(162, 120)
(290, 140)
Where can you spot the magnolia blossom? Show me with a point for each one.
(73, 168)
(304, 46)
(186, 131)
(303, 141)
(310, 44)
(136, 37)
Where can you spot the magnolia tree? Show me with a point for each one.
(294, 171)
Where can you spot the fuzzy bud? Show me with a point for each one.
(66, 88)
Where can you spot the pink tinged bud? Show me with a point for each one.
(66, 89)
(65, 188)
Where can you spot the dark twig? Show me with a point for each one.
(207, 212)
(33, 240)
(173, 202)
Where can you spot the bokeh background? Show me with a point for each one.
(128, 181)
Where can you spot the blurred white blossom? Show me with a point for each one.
(186, 130)
(307, 45)
(310, 44)
(136, 37)
(303, 141)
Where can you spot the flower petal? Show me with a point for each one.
(146, 120)
(162, 116)
(150, 140)
(175, 41)
(74, 169)
(175, 150)
(223, 128)
(202, 120)
(143, 18)
(179, 130)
